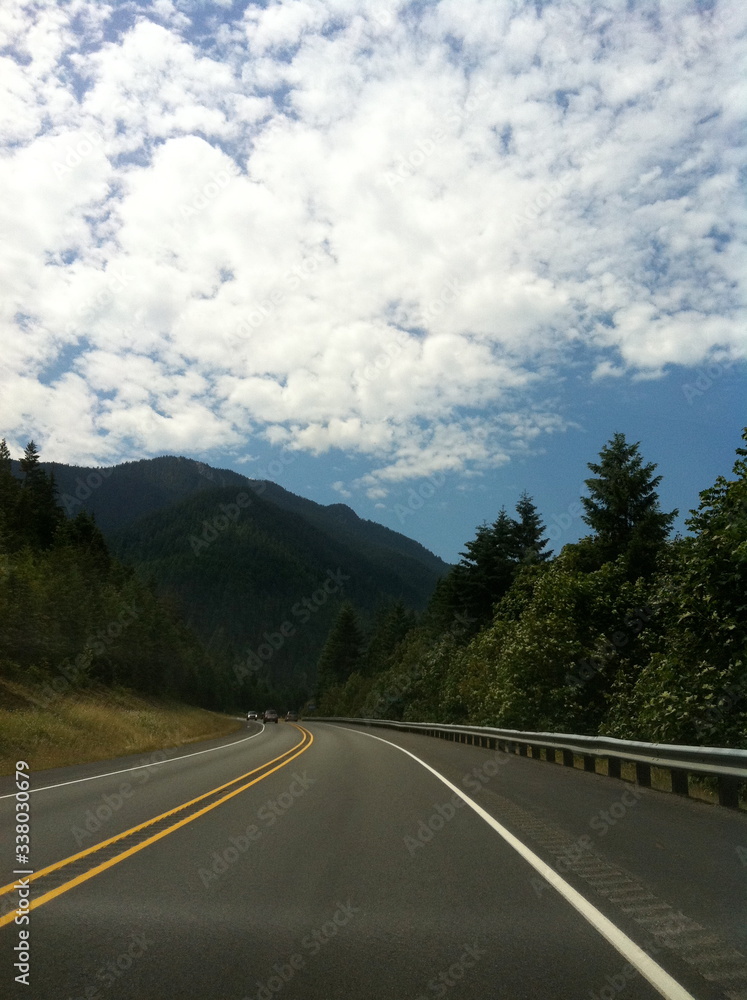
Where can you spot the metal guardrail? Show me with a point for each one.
(728, 766)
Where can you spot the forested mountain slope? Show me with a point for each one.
(240, 568)
(237, 570)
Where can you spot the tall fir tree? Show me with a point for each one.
(9, 502)
(40, 514)
(341, 654)
(529, 533)
(392, 622)
(623, 509)
(465, 598)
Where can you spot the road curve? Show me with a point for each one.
(318, 862)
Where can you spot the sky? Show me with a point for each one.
(413, 257)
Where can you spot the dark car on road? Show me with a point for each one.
(291, 717)
(270, 715)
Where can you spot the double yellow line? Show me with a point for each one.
(284, 758)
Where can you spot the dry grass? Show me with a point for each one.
(95, 725)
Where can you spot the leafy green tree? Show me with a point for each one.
(693, 687)
(623, 508)
(558, 640)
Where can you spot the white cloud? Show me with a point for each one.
(377, 228)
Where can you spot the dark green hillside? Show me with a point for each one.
(346, 524)
(239, 567)
(118, 495)
(72, 617)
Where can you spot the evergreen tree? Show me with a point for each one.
(623, 508)
(489, 561)
(528, 532)
(83, 533)
(486, 571)
(9, 502)
(342, 651)
(40, 515)
(391, 624)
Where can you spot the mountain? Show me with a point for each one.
(117, 496)
(345, 523)
(258, 571)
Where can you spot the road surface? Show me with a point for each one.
(327, 862)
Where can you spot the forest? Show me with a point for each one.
(234, 582)
(72, 616)
(627, 632)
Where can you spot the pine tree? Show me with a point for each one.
(623, 508)
(464, 599)
(82, 533)
(40, 515)
(342, 651)
(9, 501)
(528, 532)
(392, 623)
(490, 565)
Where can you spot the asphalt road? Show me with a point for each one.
(317, 862)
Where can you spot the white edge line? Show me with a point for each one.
(137, 767)
(662, 982)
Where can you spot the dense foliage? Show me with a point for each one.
(236, 581)
(71, 615)
(624, 632)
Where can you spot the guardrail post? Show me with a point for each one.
(680, 784)
(613, 767)
(568, 758)
(522, 749)
(536, 753)
(643, 774)
(728, 791)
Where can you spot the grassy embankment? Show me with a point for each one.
(95, 724)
